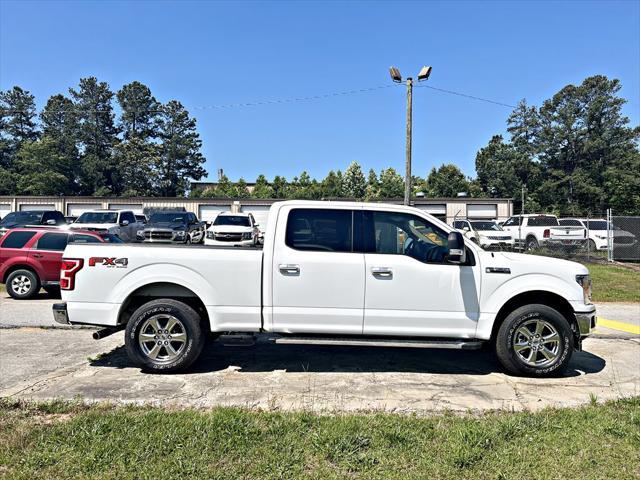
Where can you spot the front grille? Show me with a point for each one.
(158, 235)
(228, 237)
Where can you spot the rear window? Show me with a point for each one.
(53, 241)
(542, 221)
(320, 230)
(567, 222)
(17, 239)
(84, 239)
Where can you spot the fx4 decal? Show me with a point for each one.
(109, 262)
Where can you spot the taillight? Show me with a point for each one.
(68, 270)
(547, 233)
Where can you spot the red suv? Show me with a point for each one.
(30, 258)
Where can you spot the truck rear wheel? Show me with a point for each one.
(535, 340)
(164, 336)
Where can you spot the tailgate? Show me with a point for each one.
(568, 233)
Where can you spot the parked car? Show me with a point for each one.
(597, 228)
(338, 273)
(30, 258)
(31, 218)
(539, 230)
(122, 223)
(486, 233)
(239, 229)
(173, 227)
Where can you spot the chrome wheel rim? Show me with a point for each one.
(21, 284)
(162, 338)
(537, 343)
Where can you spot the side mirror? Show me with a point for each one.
(466, 228)
(51, 221)
(457, 252)
(124, 223)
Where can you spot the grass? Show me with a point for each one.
(612, 283)
(60, 440)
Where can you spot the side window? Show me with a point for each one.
(405, 234)
(84, 239)
(192, 218)
(53, 241)
(512, 222)
(59, 218)
(459, 224)
(253, 220)
(130, 217)
(320, 230)
(17, 239)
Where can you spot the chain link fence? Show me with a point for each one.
(624, 239)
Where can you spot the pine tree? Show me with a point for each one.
(373, 186)
(140, 111)
(391, 184)
(180, 159)
(354, 184)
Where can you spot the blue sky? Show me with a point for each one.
(215, 53)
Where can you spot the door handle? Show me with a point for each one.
(384, 273)
(289, 269)
(37, 255)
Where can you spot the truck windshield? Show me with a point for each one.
(98, 217)
(482, 226)
(235, 220)
(168, 218)
(23, 218)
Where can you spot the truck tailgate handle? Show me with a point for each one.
(382, 272)
(289, 269)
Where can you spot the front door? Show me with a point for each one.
(411, 289)
(318, 279)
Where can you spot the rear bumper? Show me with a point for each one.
(60, 314)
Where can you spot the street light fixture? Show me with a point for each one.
(423, 75)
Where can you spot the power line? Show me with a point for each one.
(451, 92)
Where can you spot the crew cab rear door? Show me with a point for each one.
(318, 278)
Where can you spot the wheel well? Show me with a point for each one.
(154, 291)
(552, 300)
(19, 267)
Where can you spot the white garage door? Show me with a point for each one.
(29, 207)
(5, 208)
(489, 211)
(208, 213)
(260, 213)
(436, 209)
(77, 209)
(134, 207)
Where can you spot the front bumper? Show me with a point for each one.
(237, 243)
(60, 314)
(587, 322)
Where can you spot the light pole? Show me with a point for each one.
(396, 77)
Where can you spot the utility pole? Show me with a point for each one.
(396, 77)
(407, 178)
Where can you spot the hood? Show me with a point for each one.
(166, 226)
(523, 262)
(229, 228)
(87, 226)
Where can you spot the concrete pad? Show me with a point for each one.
(44, 364)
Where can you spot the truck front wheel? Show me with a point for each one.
(164, 336)
(535, 340)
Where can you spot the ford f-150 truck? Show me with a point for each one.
(334, 273)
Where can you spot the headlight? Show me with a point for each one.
(247, 235)
(601, 237)
(210, 235)
(585, 282)
(140, 234)
(179, 233)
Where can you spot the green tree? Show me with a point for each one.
(279, 187)
(354, 184)
(446, 181)
(180, 159)
(140, 111)
(262, 188)
(42, 168)
(136, 160)
(331, 186)
(96, 136)
(391, 184)
(373, 186)
(241, 189)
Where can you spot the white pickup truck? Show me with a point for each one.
(334, 273)
(543, 230)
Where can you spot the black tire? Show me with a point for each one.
(187, 351)
(53, 291)
(532, 243)
(592, 246)
(22, 284)
(510, 333)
